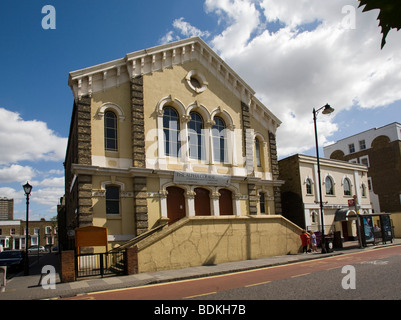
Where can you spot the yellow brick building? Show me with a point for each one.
(165, 134)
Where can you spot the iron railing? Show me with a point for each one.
(100, 264)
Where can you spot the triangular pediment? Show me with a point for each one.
(111, 74)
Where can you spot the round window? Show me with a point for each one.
(196, 81)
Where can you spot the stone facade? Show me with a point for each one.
(127, 187)
(300, 193)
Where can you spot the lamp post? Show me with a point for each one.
(27, 188)
(326, 110)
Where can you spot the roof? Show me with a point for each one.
(301, 158)
(113, 73)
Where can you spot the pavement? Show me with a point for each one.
(21, 287)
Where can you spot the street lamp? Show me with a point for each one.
(326, 110)
(27, 188)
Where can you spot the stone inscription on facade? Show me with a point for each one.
(201, 179)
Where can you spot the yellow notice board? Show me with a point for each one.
(90, 237)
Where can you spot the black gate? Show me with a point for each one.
(100, 264)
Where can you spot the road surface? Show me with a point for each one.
(375, 270)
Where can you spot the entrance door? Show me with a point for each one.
(202, 202)
(175, 204)
(226, 202)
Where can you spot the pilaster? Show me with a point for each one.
(138, 123)
(275, 172)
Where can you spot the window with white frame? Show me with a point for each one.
(329, 186)
(258, 153)
(347, 187)
(49, 240)
(362, 145)
(219, 140)
(34, 241)
(110, 131)
(313, 217)
(171, 130)
(351, 148)
(196, 137)
(308, 184)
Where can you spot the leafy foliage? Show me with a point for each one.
(389, 16)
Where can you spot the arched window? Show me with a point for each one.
(110, 131)
(329, 186)
(196, 137)
(219, 140)
(347, 187)
(313, 217)
(171, 129)
(308, 186)
(257, 150)
(112, 200)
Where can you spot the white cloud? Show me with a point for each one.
(53, 182)
(242, 18)
(16, 173)
(11, 193)
(298, 66)
(28, 140)
(185, 29)
(48, 197)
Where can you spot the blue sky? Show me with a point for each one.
(295, 58)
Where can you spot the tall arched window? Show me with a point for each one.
(329, 186)
(219, 140)
(347, 187)
(196, 137)
(171, 129)
(257, 150)
(110, 131)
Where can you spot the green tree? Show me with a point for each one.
(389, 16)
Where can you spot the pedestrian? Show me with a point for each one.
(305, 241)
(313, 241)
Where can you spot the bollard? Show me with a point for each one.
(3, 274)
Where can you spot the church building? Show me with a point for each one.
(163, 134)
